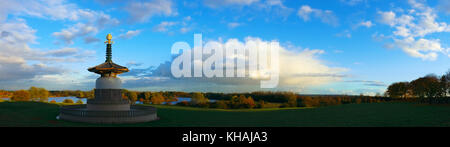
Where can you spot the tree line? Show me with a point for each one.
(430, 89)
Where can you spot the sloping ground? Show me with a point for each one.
(358, 115)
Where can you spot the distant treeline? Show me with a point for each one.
(429, 89)
(286, 99)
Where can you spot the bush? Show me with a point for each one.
(79, 102)
(261, 104)
(53, 102)
(183, 103)
(68, 101)
(221, 104)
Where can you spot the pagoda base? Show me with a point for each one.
(102, 105)
(80, 113)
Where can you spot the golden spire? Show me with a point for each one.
(109, 38)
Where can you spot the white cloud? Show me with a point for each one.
(367, 24)
(185, 29)
(53, 9)
(223, 3)
(352, 2)
(142, 11)
(345, 34)
(164, 26)
(172, 26)
(412, 28)
(129, 34)
(421, 48)
(298, 69)
(387, 17)
(233, 25)
(326, 16)
(187, 18)
(90, 23)
(78, 30)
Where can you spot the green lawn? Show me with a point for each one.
(384, 114)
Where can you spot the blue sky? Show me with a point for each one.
(356, 46)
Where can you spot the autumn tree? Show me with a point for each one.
(398, 90)
(249, 103)
(21, 95)
(124, 94)
(38, 94)
(147, 95)
(427, 86)
(292, 100)
(132, 96)
(157, 98)
(199, 99)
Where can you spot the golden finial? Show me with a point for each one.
(109, 38)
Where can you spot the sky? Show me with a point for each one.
(327, 46)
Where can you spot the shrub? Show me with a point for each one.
(261, 104)
(183, 103)
(68, 101)
(221, 105)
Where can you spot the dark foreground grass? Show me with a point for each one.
(357, 115)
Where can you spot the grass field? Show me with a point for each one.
(356, 115)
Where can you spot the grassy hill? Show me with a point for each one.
(359, 115)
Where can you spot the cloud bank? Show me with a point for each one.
(298, 69)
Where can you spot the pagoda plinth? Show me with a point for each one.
(108, 106)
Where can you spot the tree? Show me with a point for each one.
(21, 95)
(90, 94)
(426, 87)
(157, 98)
(199, 99)
(79, 102)
(147, 95)
(249, 103)
(398, 90)
(80, 94)
(445, 84)
(132, 96)
(292, 100)
(261, 103)
(38, 94)
(124, 94)
(34, 93)
(309, 102)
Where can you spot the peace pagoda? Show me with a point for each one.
(108, 106)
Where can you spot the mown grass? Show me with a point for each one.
(352, 115)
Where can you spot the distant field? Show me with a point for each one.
(358, 115)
